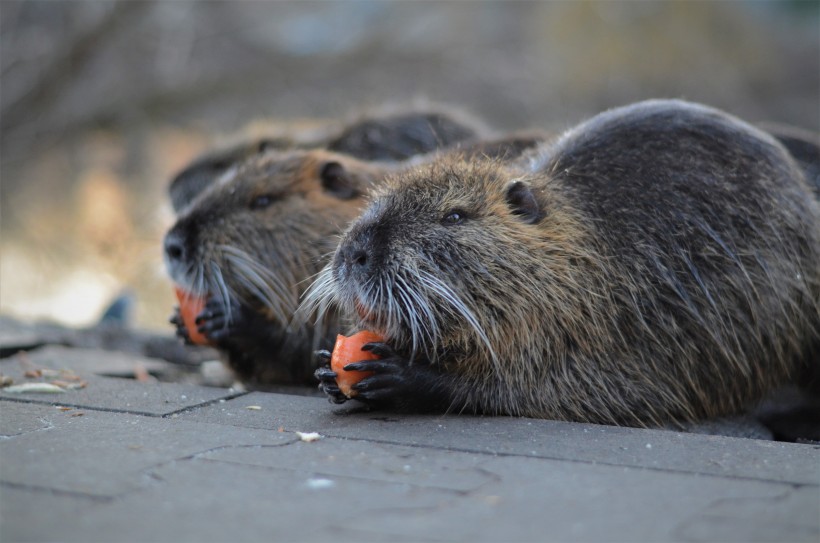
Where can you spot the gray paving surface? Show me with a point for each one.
(122, 460)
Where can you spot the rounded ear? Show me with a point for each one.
(523, 203)
(338, 181)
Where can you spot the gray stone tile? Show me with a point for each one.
(531, 499)
(105, 454)
(330, 457)
(30, 515)
(605, 503)
(124, 395)
(17, 418)
(223, 472)
(645, 448)
(199, 500)
(295, 491)
(792, 515)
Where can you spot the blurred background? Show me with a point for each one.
(102, 102)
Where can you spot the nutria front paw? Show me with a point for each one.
(179, 324)
(216, 323)
(395, 382)
(327, 379)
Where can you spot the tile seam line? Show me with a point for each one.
(60, 492)
(124, 411)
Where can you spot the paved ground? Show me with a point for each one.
(123, 460)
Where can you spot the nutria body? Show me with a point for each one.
(659, 263)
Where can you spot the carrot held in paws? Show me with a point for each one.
(190, 307)
(348, 350)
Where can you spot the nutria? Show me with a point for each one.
(657, 264)
(383, 134)
(253, 240)
(250, 241)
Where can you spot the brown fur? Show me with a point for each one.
(252, 240)
(659, 263)
(313, 195)
(385, 134)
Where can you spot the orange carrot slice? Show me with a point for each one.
(348, 350)
(190, 307)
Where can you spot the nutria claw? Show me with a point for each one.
(323, 355)
(214, 323)
(327, 383)
(382, 350)
(390, 381)
(396, 384)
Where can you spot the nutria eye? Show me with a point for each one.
(453, 218)
(261, 202)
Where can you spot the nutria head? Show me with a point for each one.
(256, 235)
(455, 256)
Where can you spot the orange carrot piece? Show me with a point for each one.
(348, 350)
(190, 307)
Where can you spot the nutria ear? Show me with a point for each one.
(338, 181)
(523, 203)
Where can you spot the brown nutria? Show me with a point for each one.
(378, 135)
(250, 241)
(657, 264)
(253, 240)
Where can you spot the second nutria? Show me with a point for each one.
(659, 263)
(251, 240)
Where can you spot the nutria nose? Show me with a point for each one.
(174, 248)
(353, 257)
(359, 257)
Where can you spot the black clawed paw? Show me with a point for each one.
(327, 384)
(382, 350)
(323, 355)
(213, 322)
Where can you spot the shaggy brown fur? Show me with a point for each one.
(253, 240)
(384, 135)
(658, 263)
